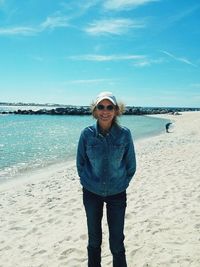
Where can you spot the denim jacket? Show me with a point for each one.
(106, 164)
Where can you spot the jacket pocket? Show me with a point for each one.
(92, 152)
(117, 152)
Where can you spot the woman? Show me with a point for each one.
(105, 163)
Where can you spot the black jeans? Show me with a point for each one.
(116, 206)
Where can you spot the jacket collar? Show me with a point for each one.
(114, 131)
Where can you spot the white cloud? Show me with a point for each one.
(146, 62)
(142, 63)
(124, 4)
(113, 26)
(88, 4)
(136, 60)
(101, 58)
(180, 59)
(54, 22)
(88, 81)
(18, 31)
(77, 8)
(50, 23)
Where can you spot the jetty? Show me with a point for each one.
(85, 110)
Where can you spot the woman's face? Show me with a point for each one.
(105, 113)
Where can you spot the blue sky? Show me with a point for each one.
(145, 51)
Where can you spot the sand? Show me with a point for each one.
(42, 219)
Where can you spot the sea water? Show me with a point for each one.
(29, 142)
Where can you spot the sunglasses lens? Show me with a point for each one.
(100, 107)
(110, 107)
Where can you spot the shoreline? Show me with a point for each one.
(43, 220)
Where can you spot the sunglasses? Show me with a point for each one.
(102, 107)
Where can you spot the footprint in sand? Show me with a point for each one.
(39, 252)
(83, 237)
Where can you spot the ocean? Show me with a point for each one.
(30, 142)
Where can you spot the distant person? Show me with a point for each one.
(106, 164)
(167, 125)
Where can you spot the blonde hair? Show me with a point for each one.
(119, 110)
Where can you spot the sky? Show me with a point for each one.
(147, 52)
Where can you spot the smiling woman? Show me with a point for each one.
(106, 164)
(100, 107)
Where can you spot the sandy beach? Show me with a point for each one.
(42, 219)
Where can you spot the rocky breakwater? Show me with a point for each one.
(56, 111)
(85, 110)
